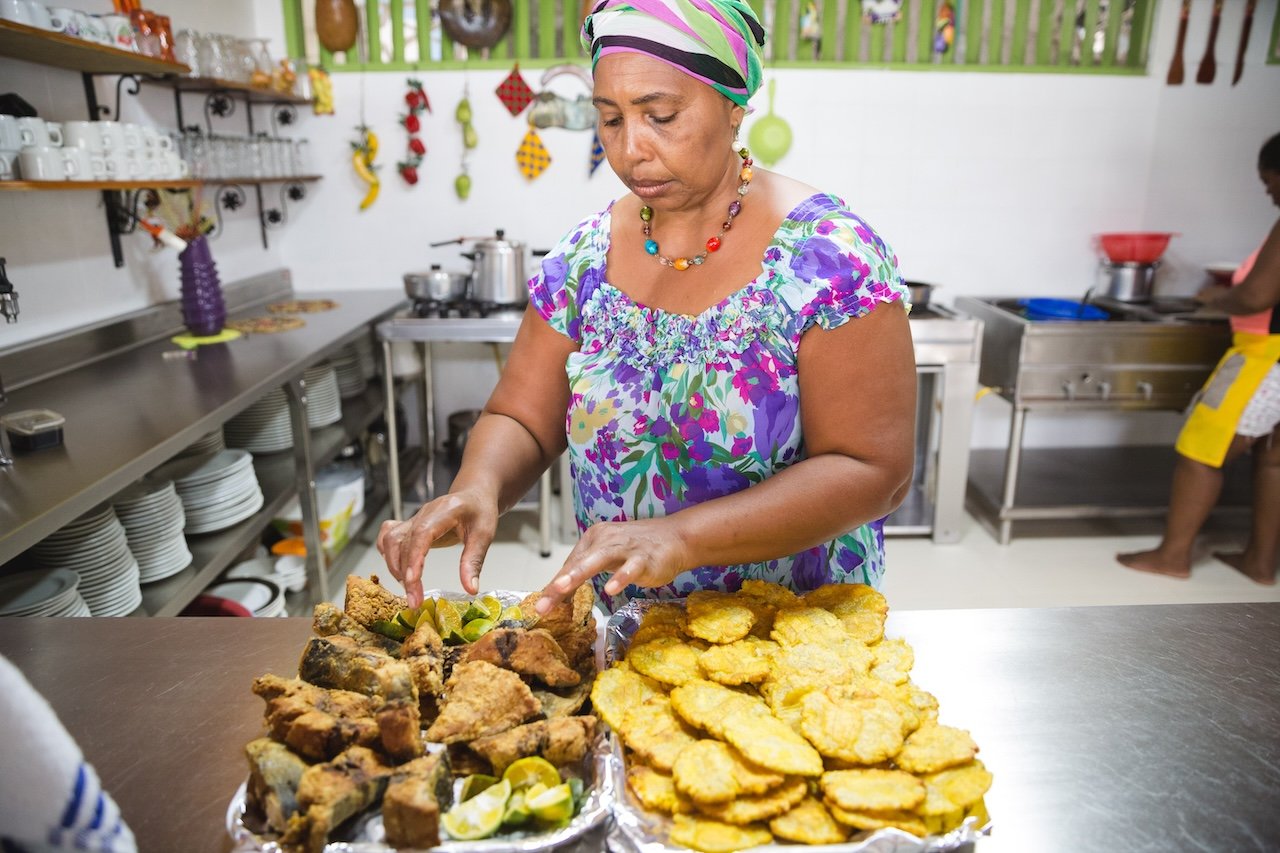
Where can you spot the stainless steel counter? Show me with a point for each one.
(1110, 729)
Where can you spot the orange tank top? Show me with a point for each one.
(1249, 324)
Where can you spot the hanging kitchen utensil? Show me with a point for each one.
(1244, 40)
(532, 157)
(770, 136)
(514, 92)
(475, 23)
(1176, 70)
(944, 29)
(336, 24)
(1209, 65)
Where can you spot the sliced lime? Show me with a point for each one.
(517, 813)
(480, 816)
(474, 784)
(476, 628)
(527, 772)
(474, 611)
(553, 806)
(388, 628)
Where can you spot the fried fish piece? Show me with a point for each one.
(705, 705)
(860, 608)
(867, 731)
(718, 617)
(745, 810)
(424, 652)
(482, 700)
(327, 620)
(340, 662)
(532, 652)
(571, 623)
(954, 788)
(773, 594)
(713, 836)
(314, 722)
(619, 689)
(872, 790)
(809, 823)
(274, 774)
(893, 660)
(368, 601)
(744, 661)
(330, 793)
(566, 701)
(416, 796)
(872, 820)
(710, 771)
(656, 790)
(655, 733)
(561, 741)
(669, 660)
(932, 747)
(771, 743)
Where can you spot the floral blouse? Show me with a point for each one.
(669, 410)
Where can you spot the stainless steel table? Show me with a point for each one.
(1110, 729)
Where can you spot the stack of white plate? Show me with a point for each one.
(264, 427)
(208, 443)
(290, 575)
(351, 379)
(324, 402)
(153, 519)
(264, 597)
(217, 491)
(42, 592)
(94, 546)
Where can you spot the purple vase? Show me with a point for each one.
(203, 309)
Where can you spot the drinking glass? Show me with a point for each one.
(209, 56)
(186, 51)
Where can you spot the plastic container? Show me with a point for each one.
(33, 429)
(1061, 311)
(1139, 247)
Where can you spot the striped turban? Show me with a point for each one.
(715, 41)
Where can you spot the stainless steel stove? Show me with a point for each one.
(463, 309)
(1139, 356)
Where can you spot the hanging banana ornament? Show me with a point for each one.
(462, 184)
(363, 153)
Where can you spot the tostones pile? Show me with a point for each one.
(762, 715)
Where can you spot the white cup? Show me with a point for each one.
(79, 164)
(132, 134)
(113, 134)
(174, 165)
(153, 140)
(119, 31)
(65, 20)
(93, 28)
(43, 163)
(38, 133)
(17, 11)
(82, 134)
(40, 16)
(8, 165)
(122, 167)
(10, 135)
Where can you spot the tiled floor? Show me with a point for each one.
(1052, 571)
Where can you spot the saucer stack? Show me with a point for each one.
(292, 575)
(209, 443)
(264, 427)
(217, 491)
(94, 546)
(351, 378)
(261, 595)
(324, 402)
(153, 519)
(42, 592)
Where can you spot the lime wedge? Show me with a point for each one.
(527, 772)
(476, 628)
(408, 618)
(555, 805)
(480, 816)
(492, 606)
(512, 614)
(535, 790)
(474, 611)
(474, 784)
(449, 621)
(517, 813)
(388, 628)
(428, 609)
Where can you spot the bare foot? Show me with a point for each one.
(1156, 563)
(1252, 569)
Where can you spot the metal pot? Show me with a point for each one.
(437, 285)
(500, 276)
(920, 293)
(1129, 282)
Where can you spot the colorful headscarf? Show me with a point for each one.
(715, 41)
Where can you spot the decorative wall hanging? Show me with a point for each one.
(597, 153)
(552, 110)
(462, 183)
(514, 92)
(416, 101)
(944, 29)
(336, 24)
(881, 11)
(363, 152)
(532, 157)
(475, 23)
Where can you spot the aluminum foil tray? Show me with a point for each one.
(636, 830)
(599, 770)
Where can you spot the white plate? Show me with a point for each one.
(28, 591)
(253, 593)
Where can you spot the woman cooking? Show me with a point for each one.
(1238, 411)
(725, 351)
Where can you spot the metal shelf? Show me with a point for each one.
(43, 47)
(206, 85)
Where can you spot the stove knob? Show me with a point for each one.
(1069, 389)
(1104, 390)
(1145, 389)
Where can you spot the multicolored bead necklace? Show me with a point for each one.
(713, 244)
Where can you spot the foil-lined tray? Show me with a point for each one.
(637, 830)
(365, 833)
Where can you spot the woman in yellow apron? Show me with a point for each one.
(1237, 411)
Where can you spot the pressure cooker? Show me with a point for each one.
(500, 271)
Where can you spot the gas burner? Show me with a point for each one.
(464, 309)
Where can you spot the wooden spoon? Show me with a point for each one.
(1176, 71)
(1208, 65)
(1244, 41)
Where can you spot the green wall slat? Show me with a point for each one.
(1112, 44)
(1021, 26)
(372, 42)
(397, 30)
(830, 29)
(900, 30)
(422, 19)
(326, 59)
(973, 33)
(1090, 27)
(781, 30)
(1066, 32)
(995, 34)
(572, 25)
(294, 37)
(1044, 32)
(1140, 35)
(875, 47)
(924, 35)
(852, 49)
(520, 22)
(546, 28)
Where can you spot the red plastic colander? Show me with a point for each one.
(1143, 247)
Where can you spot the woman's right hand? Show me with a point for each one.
(465, 517)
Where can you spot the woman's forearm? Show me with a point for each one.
(809, 503)
(501, 460)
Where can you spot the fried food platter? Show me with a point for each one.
(730, 753)
(267, 815)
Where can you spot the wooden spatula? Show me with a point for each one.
(1209, 65)
(1176, 71)
(1244, 40)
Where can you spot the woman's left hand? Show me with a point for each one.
(646, 552)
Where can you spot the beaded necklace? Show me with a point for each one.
(713, 243)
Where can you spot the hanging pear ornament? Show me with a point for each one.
(770, 136)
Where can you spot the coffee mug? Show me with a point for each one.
(118, 137)
(78, 164)
(16, 10)
(37, 133)
(122, 167)
(10, 134)
(154, 140)
(8, 165)
(40, 16)
(66, 20)
(119, 30)
(82, 134)
(43, 163)
(174, 166)
(94, 28)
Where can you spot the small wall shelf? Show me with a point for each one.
(166, 184)
(61, 51)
